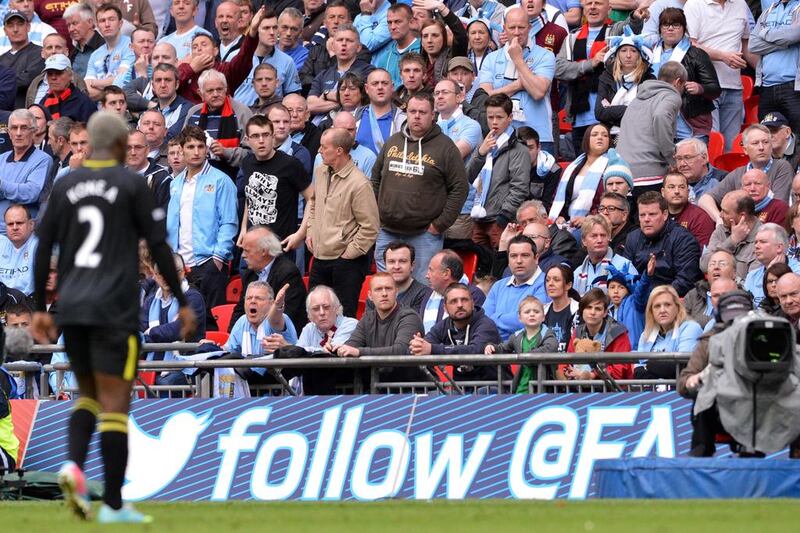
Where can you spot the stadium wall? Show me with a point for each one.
(373, 447)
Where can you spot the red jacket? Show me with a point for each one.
(235, 70)
(52, 12)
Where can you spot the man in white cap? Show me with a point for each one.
(63, 99)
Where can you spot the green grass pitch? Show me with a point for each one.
(485, 516)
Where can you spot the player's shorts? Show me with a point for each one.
(92, 349)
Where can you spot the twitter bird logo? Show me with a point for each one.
(153, 462)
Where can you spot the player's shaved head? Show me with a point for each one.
(107, 132)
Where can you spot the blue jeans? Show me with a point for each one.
(425, 244)
(728, 115)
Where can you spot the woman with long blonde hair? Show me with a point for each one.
(667, 328)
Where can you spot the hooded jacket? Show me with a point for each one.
(677, 256)
(445, 339)
(510, 183)
(419, 182)
(606, 89)
(647, 130)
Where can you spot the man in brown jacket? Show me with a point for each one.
(420, 181)
(342, 223)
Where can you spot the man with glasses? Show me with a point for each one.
(736, 233)
(691, 160)
(701, 301)
(24, 169)
(110, 63)
(757, 143)
(157, 177)
(784, 142)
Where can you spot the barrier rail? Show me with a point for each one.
(428, 363)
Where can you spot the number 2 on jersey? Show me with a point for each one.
(87, 256)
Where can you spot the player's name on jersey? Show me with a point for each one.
(100, 188)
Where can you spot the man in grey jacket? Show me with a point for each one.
(386, 330)
(647, 132)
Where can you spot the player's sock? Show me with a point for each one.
(114, 446)
(81, 426)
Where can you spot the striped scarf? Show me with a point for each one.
(580, 204)
(53, 101)
(228, 133)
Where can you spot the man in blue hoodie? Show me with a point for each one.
(202, 220)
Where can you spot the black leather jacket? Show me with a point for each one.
(700, 69)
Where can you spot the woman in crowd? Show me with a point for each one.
(627, 66)
(667, 328)
(433, 35)
(597, 325)
(352, 98)
(702, 86)
(559, 314)
(581, 184)
(480, 43)
(770, 302)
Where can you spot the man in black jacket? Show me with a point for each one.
(676, 250)
(262, 251)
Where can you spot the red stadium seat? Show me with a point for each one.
(737, 147)
(750, 111)
(218, 337)
(563, 125)
(730, 161)
(747, 87)
(306, 281)
(716, 145)
(233, 290)
(222, 314)
(147, 377)
(563, 165)
(470, 260)
(362, 297)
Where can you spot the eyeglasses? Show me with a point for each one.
(609, 209)
(686, 158)
(720, 264)
(259, 136)
(672, 25)
(443, 92)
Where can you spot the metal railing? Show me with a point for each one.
(437, 383)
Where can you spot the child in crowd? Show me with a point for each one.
(628, 295)
(534, 337)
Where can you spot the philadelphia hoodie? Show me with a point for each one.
(414, 192)
(647, 131)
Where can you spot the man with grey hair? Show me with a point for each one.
(85, 39)
(691, 160)
(770, 248)
(262, 252)
(24, 169)
(55, 43)
(223, 119)
(647, 131)
(58, 140)
(757, 144)
(290, 27)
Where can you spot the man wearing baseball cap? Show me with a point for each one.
(63, 99)
(783, 140)
(24, 58)
(461, 70)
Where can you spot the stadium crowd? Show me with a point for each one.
(426, 177)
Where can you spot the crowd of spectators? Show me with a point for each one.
(427, 176)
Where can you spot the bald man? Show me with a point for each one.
(789, 297)
(768, 208)
(718, 288)
(303, 131)
(364, 158)
(736, 233)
